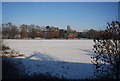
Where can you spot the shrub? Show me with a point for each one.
(107, 52)
(8, 52)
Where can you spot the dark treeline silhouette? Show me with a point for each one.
(24, 31)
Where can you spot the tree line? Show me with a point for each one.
(24, 31)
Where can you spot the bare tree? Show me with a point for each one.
(24, 31)
(107, 52)
(9, 31)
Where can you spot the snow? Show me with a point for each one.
(61, 58)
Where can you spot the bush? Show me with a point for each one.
(8, 52)
(107, 52)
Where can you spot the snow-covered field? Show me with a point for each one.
(62, 58)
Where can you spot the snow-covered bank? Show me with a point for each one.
(67, 50)
(61, 58)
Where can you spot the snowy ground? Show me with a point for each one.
(61, 58)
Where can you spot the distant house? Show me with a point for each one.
(73, 35)
(54, 32)
(50, 32)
